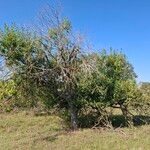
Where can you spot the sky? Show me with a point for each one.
(121, 24)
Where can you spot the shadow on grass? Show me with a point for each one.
(141, 120)
(138, 120)
(116, 121)
(51, 138)
(88, 121)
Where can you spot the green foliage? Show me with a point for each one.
(145, 89)
(53, 71)
(143, 104)
(7, 92)
(108, 80)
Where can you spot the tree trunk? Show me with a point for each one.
(127, 116)
(73, 115)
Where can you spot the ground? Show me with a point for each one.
(23, 131)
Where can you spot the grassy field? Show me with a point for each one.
(27, 132)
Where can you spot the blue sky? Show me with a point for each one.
(121, 24)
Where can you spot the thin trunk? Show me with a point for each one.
(127, 116)
(73, 115)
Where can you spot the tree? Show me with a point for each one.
(49, 66)
(110, 82)
(47, 62)
(145, 88)
(143, 104)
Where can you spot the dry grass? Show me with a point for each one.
(26, 132)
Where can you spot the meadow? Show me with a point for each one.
(25, 131)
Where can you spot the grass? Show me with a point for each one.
(27, 132)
